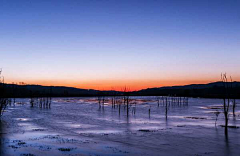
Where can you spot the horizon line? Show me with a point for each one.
(22, 83)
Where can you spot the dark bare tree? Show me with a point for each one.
(32, 101)
(234, 106)
(226, 99)
(126, 98)
(158, 100)
(166, 107)
(3, 100)
(99, 101)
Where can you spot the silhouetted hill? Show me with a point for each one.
(13, 90)
(211, 90)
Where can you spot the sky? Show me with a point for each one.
(109, 44)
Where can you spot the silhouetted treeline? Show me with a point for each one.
(211, 90)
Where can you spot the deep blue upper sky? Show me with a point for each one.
(100, 40)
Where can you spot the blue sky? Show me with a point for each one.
(98, 44)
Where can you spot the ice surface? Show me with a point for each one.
(77, 126)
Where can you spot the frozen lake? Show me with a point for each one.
(76, 126)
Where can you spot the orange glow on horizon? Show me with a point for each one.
(133, 85)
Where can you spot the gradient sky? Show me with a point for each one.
(104, 44)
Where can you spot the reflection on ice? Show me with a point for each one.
(84, 126)
(98, 131)
(24, 119)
